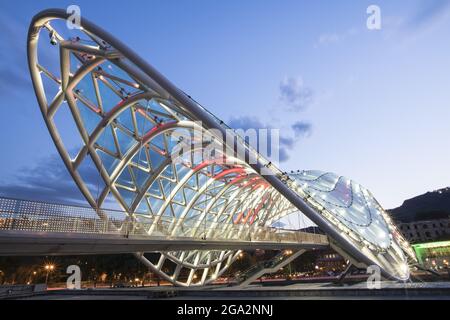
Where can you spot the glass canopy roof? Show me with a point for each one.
(352, 204)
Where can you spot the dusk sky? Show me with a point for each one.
(373, 105)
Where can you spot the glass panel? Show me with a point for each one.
(126, 119)
(90, 118)
(143, 207)
(348, 202)
(155, 189)
(51, 88)
(140, 176)
(128, 85)
(86, 89)
(177, 209)
(48, 54)
(68, 130)
(109, 163)
(109, 98)
(126, 142)
(91, 177)
(159, 112)
(168, 172)
(179, 196)
(158, 142)
(127, 196)
(125, 178)
(155, 204)
(156, 159)
(140, 159)
(106, 140)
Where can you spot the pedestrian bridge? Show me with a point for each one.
(38, 228)
(190, 187)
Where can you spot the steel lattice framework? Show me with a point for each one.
(122, 146)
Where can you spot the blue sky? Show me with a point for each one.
(371, 105)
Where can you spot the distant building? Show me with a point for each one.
(434, 255)
(329, 260)
(426, 231)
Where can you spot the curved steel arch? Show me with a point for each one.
(124, 110)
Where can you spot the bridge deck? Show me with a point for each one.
(33, 228)
(28, 244)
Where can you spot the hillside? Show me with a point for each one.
(431, 205)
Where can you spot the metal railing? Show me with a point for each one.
(33, 216)
(15, 291)
(261, 265)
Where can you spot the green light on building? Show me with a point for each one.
(433, 254)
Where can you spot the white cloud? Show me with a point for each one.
(295, 94)
(333, 38)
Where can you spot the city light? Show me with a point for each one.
(49, 268)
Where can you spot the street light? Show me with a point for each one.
(49, 268)
(32, 276)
